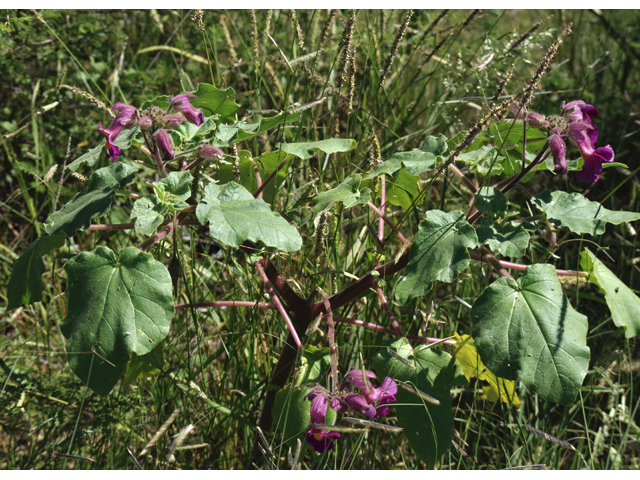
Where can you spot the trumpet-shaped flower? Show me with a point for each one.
(320, 440)
(181, 104)
(377, 398)
(125, 118)
(584, 136)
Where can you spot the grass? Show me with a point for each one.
(216, 361)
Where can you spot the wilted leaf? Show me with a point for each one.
(472, 366)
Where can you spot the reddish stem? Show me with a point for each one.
(278, 304)
(227, 303)
(379, 328)
(388, 222)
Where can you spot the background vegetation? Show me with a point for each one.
(216, 361)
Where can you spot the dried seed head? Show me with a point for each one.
(296, 26)
(433, 25)
(225, 29)
(267, 24)
(50, 173)
(375, 157)
(345, 48)
(254, 38)
(320, 236)
(501, 85)
(80, 177)
(89, 97)
(236, 164)
(197, 17)
(352, 82)
(394, 47)
(526, 35)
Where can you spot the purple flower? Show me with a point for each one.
(125, 118)
(181, 104)
(558, 150)
(320, 440)
(209, 152)
(579, 111)
(377, 398)
(165, 145)
(584, 136)
(535, 120)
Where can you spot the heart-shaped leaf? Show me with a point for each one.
(529, 331)
(509, 240)
(116, 304)
(348, 192)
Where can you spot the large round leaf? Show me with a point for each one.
(528, 330)
(116, 305)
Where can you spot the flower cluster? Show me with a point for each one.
(155, 121)
(575, 123)
(370, 402)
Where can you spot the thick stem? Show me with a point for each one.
(258, 179)
(464, 179)
(523, 268)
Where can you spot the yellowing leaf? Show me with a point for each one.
(472, 366)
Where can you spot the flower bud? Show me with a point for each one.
(171, 121)
(145, 123)
(209, 152)
(165, 144)
(558, 150)
(181, 104)
(536, 120)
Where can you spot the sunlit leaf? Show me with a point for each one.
(348, 192)
(510, 240)
(529, 331)
(116, 305)
(573, 211)
(439, 252)
(306, 150)
(235, 216)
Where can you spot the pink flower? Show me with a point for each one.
(579, 111)
(558, 150)
(181, 104)
(377, 398)
(125, 118)
(320, 440)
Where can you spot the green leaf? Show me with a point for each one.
(235, 216)
(142, 366)
(402, 189)
(435, 145)
(116, 305)
(415, 162)
(492, 200)
(92, 156)
(239, 131)
(428, 427)
(529, 331)
(348, 192)
(439, 252)
(306, 150)
(174, 188)
(623, 303)
(510, 240)
(215, 101)
(25, 285)
(573, 211)
(188, 130)
(149, 212)
(481, 159)
(77, 214)
(291, 412)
